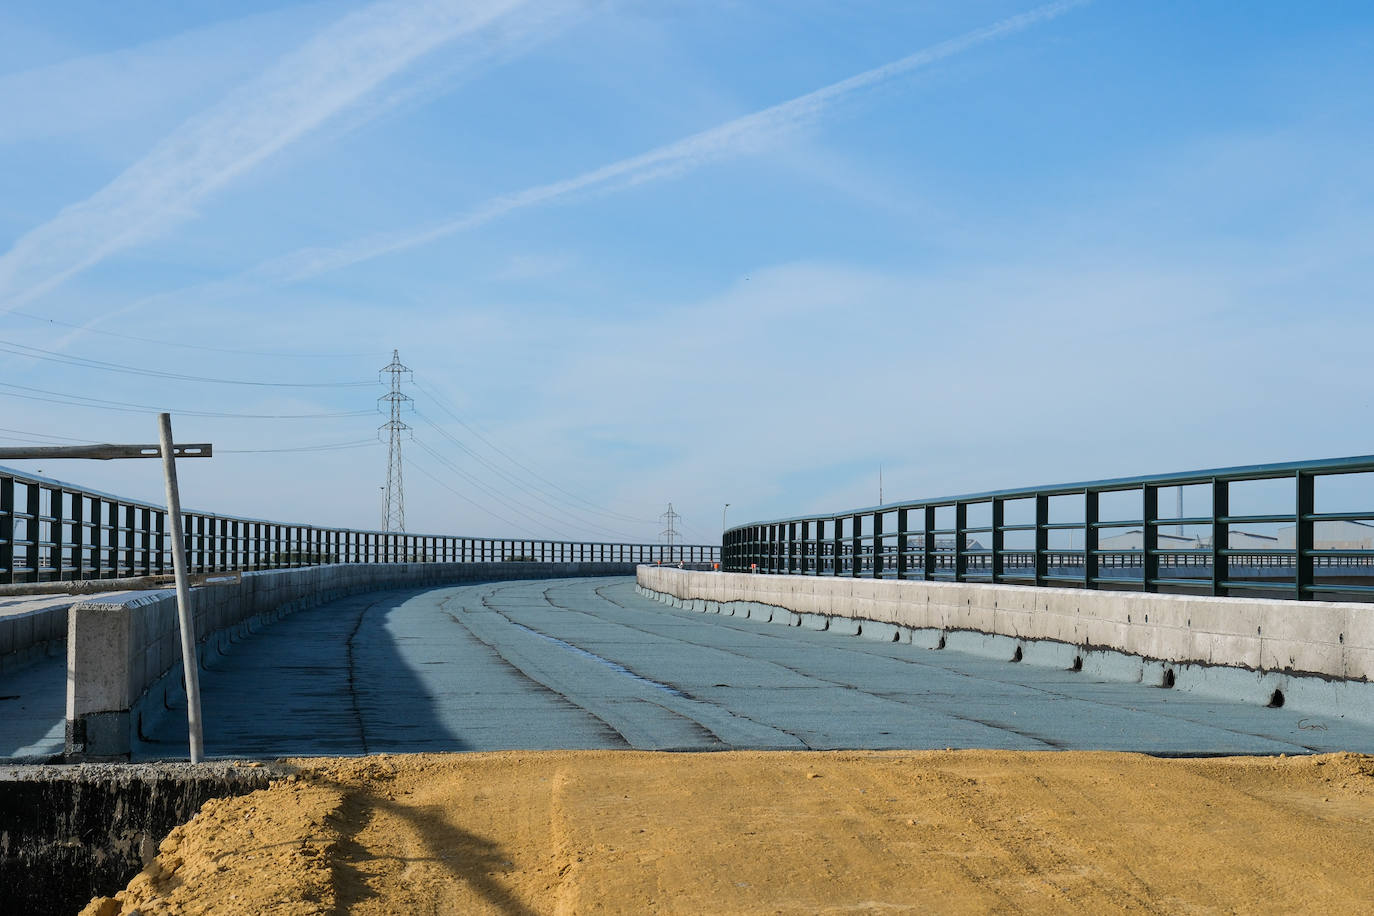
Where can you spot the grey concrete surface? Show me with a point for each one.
(32, 704)
(589, 663)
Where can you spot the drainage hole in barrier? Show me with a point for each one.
(896, 635)
(1077, 663)
(1168, 680)
(941, 643)
(1276, 699)
(1016, 656)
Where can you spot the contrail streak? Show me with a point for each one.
(324, 77)
(674, 158)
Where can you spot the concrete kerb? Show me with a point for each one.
(124, 659)
(1011, 623)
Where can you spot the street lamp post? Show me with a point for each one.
(722, 518)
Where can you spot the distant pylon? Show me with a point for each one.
(394, 503)
(670, 519)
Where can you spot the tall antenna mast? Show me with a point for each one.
(670, 519)
(394, 502)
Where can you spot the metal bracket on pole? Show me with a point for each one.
(105, 452)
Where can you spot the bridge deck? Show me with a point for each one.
(587, 663)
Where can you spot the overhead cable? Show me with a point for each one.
(18, 349)
(511, 480)
(78, 400)
(519, 508)
(589, 506)
(86, 329)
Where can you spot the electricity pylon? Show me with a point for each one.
(670, 519)
(394, 503)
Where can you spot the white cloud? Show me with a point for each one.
(96, 91)
(741, 135)
(324, 77)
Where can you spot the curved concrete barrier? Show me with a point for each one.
(1312, 654)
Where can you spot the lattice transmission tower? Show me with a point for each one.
(670, 519)
(394, 501)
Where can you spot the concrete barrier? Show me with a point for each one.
(118, 650)
(1310, 654)
(31, 633)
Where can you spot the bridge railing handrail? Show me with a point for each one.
(51, 530)
(903, 539)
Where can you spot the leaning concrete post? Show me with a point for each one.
(185, 623)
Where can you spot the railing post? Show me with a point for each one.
(1042, 538)
(998, 538)
(58, 511)
(1221, 536)
(928, 545)
(1150, 538)
(1090, 518)
(35, 528)
(878, 544)
(7, 508)
(960, 541)
(1305, 539)
(97, 564)
(901, 543)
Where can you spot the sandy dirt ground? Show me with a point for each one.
(629, 832)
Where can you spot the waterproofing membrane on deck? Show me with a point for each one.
(588, 663)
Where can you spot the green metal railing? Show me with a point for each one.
(1106, 534)
(52, 531)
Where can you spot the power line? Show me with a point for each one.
(80, 400)
(521, 509)
(504, 521)
(324, 447)
(174, 343)
(513, 481)
(22, 350)
(34, 435)
(592, 507)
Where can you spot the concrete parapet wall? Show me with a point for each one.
(118, 649)
(29, 634)
(1311, 654)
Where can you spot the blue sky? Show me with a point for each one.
(707, 252)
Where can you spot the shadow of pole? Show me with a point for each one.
(468, 858)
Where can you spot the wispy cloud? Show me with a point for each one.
(328, 75)
(740, 135)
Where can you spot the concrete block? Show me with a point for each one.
(928, 638)
(882, 632)
(814, 621)
(1109, 665)
(846, 626)
(99, 648)
(1346, 699)
(1226, 683)
(985, 645)
(1046, 653)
